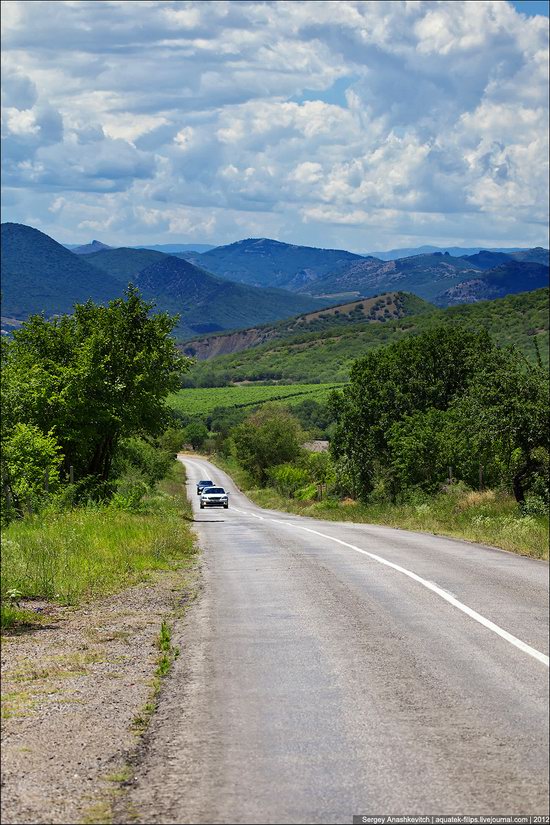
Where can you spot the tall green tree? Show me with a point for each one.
(411, 376)
(266, 438)
(93, 378)
(505, 414)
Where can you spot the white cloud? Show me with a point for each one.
(222, 119)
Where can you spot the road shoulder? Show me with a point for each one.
(77, 692)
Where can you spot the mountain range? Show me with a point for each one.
(264, 262)
(41, 275)
(250, 282)
(333, 274)
(456, 251)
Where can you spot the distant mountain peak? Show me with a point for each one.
(87, 249)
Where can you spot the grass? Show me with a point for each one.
(167, 655)
(486, 517)
(70, 557)
(66, 666)
(16, 703)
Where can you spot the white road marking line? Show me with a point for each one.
(254, 515)
(513, 640)
(439, 591)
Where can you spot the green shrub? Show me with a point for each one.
(288, 479)
(269, 437)
(136, 454)
(31, 461)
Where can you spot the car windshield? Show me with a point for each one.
(214, 490)
(206, 483)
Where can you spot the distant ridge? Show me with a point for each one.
(506, 279)
(265, 262)
(174, 248)
(455, 251)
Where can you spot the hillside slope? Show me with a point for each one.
(264, 262)
(208, 304)
(505, 279)
(374, 310)
(327, 355)
(537, 255)
(423, 275)
(41, 275)
(125, 263)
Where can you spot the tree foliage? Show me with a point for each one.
(92, 379)
(268, 437)
(446, 398)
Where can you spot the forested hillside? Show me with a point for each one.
(327, 355)
(378, 309)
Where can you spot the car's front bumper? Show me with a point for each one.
(214, 503)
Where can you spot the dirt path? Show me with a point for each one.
(74, 697)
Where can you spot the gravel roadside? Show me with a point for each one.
(74, 691)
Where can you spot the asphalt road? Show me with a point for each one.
(332, 669)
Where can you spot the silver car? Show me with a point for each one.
(214, 497)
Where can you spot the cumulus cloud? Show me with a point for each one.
(347, 123)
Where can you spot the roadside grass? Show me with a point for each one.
(72, 556)
(167, 655)
(487, 517)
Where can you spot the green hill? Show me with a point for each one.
(208, 304)
(326, 356)
(123, 263)
(41, 275)
(380, 308)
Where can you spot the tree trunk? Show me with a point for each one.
(517, 487)
(100, 464)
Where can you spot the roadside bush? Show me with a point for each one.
(288, 479)
(30, 460)
(136, 454)
(308, 493)
(173, 440)
(196, 434)
(268, 437)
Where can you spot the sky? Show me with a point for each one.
(356, 124)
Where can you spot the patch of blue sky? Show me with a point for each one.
(336, 94)
(532, 7)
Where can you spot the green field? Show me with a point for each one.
(204, 400)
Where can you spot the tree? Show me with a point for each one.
(30, 468)
(196, 434)
(506, 413)
(94, 378)
(268, 437)
(411, 376)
